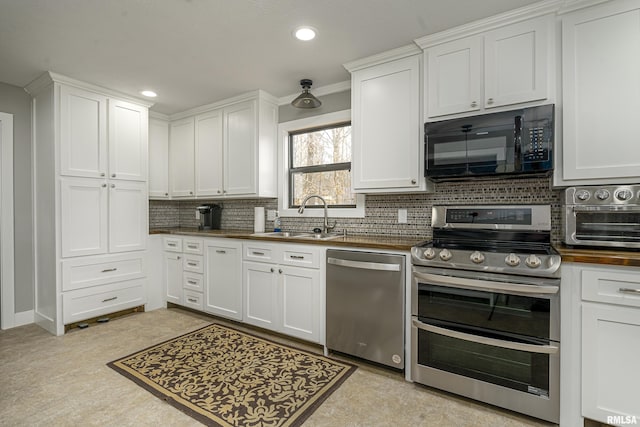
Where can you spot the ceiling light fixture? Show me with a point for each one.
(306, 99)
(149, 93)
(305, 33)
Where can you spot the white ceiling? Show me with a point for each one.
(194, 52)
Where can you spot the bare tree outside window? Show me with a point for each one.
(320, 163)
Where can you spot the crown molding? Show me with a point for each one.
(544, 7)
(50, 77)
(319, 91)
(571, 5)
(254, 94)
(159, 116)
(380, 58)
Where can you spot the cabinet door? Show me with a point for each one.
(158, 159)
(83, 211)
(208, 154)
(610, 374)
(240, 140)
(181, 158)
(300, 302)
(454, 77)
(601, 92)
(128, 213)
(172, 263)
(128, 141)
(260, 295)
(386, 125)
(83, 133)
(516, 59)
(223, 279)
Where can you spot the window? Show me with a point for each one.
(320, 163)
(315, 158)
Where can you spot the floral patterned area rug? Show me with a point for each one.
(223, 377)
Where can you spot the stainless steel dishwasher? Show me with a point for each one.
(365, 305)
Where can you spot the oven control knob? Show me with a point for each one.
(602, 194)
(445, 254)
(477, 257)
(583, 195)
(624, 194)
(512, 260)
(533, 261)
(429, 253)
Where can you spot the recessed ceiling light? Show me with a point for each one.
(149, 93)
(305, 33)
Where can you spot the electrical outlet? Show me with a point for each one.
(402, 216)
(271, 214)
(197, 214)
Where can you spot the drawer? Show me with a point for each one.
(612, 286)
(83, 304)
(193, 246)
(173, 244)
(194, 300)
(193, 281)
(301, 256)
(260, 252)
(84, 272)
(193, 263)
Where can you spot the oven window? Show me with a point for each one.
(504, 313)
(515, 369)
(618, 226)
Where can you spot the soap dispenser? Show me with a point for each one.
(277, 223)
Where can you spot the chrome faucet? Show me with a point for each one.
(326, 226)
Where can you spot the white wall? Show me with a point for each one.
(14, 100)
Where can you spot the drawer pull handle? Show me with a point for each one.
(192, 246)
(191, 282)
(219, 251)
(108, 270)
(192, 264)
(629, 291)
(192, 300)
(258, 253)
(110, 299)
(296, 256)
(171, 244)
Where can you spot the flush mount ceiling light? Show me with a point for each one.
(305, 33)
(149, 93)
(306, 99)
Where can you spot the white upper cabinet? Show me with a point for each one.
(227, 149)
(128, 136)
(601, 94)
(83, 133)
(386, 123)
(181, 158)
(158, 158)
(208, 149)
(470, 70)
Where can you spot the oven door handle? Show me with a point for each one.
(486, 285)
(529, 348)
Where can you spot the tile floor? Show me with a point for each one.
(64, 381)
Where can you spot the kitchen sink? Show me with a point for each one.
(298, 235)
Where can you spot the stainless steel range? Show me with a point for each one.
(485, 307)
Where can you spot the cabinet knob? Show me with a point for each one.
(280, 271)
(474, 104)
(490, 101)
(102, 174)
(413, 181)
(190, 192)
(104, 185)
(166, 194)
(113, 175)
(113, 186)
(272, 270)
(219, 191)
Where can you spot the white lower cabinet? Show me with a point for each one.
(183, 271)
(172, 265)
(223, 278)
(600, 330)
(278, 294)
(95, 301)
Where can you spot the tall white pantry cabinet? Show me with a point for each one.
(90, 200)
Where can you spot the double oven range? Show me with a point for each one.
(486, 308)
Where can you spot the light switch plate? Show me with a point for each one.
(402, 216)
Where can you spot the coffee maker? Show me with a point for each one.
(209, 217)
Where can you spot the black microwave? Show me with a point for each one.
(506, 143)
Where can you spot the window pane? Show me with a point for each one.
(321, 147)
(333, 186)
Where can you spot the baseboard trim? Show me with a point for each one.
(24, 318)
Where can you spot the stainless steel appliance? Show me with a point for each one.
(505, 143)
(365, 305)
(602, 216)
(485, 307)
(209, 216)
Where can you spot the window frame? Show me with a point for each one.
(284, 198)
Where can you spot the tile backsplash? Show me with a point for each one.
(381, 211)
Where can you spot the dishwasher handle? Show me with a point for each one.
(363, 264)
